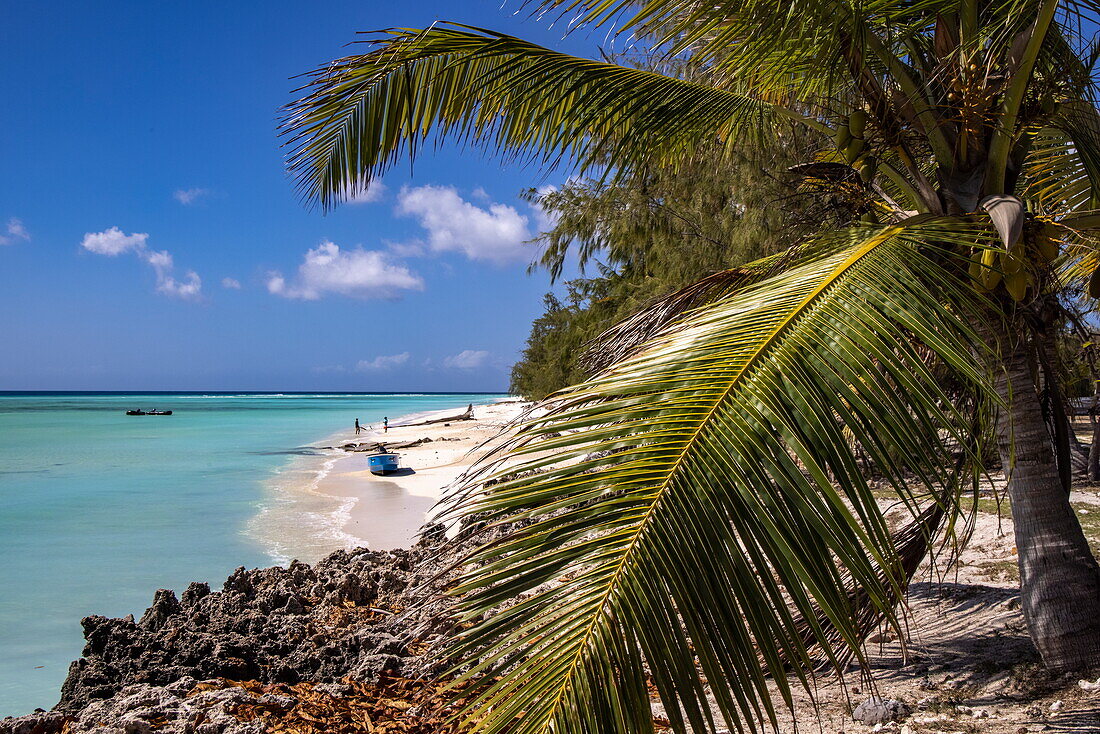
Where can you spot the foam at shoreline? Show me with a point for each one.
(297, 521)
(95, 500)
(315, 504)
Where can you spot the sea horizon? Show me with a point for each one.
(104, 508)
(4, 393)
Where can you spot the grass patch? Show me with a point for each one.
(993, 506)
(988, 504)
(1000, 570)
(1090, 520)
(1090, 523)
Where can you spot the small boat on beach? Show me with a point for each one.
(383, 462)
(148, 412)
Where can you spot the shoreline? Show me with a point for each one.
(389, 511)
(331, 501)
(296, 635)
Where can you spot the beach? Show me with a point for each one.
(210, 655)
(388, 511)
(100, 508)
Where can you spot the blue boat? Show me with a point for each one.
(382, 463)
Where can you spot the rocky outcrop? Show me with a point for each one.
(187, 706)
(353, 615)
(142, 709)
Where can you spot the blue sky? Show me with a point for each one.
(152, 240)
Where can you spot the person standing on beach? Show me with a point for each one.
(357, 428)
(385, 425)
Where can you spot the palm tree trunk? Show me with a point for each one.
(1059, 577)
(1094, 416)
(1094, 451)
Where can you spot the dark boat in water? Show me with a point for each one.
(148, 412)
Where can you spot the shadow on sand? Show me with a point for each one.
(1081, 721)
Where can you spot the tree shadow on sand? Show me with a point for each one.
(1082, 721)
(972, 632)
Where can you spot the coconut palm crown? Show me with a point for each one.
(696, 517)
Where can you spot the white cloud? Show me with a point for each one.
(373, 192)
(276, 283)
(161, 261)
(188, 289)
(231, 283)
(382, 362)
(495, 233)
(15, 231)
(355, 273)
(113, 242)
(190, 196)
(467, 359)
(407, 249)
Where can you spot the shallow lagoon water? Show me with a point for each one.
(99, 509)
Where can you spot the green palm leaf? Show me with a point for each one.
(1056, 175)
(1061, 173)
(720, 538)
(1079, 121)
(363, 112)
(627, 337)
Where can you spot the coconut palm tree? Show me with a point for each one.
(696, 516)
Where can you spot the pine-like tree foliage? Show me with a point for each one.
(654, 232)
(549, 360)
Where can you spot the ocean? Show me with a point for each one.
(99, 509)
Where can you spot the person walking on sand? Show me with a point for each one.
(357, 427)
(385, 425)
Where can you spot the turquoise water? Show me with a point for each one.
(99, 509)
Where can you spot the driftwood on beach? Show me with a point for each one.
(378, 447)
(467, 415)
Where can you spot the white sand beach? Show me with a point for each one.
(388, 511)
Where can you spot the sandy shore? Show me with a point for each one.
(389, 511)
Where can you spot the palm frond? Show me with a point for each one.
(625, 338)
(1055, 175)
(1061, 173)
(697, 511)
(359, 115)
(1079, 121)
(913, 541)
(817, 50)
(1080, 255)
